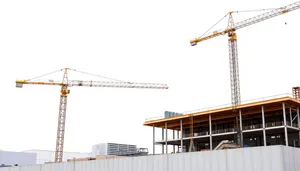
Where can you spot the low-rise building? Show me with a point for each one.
(9, 158)
(265, 122)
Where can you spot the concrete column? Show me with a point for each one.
(298, 123)
(181, 137)
(166, 142)
(285, 128)
(163, 138)
(178, 134)
(210, 135)
(153, 140)
(241, 127)
(263, 124)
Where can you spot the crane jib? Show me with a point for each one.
(267, 15)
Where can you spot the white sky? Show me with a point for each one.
(141, 41)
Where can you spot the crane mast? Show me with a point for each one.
(65, 84)
(60, 136)
(232, 43)
(234, 65)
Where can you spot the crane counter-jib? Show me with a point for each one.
(19, 83)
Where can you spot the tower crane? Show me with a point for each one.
(232, 42)
(65, 84)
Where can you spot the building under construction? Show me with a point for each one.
(271, 121)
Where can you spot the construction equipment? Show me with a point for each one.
(232, 42)
(65, 84)
(226, 144)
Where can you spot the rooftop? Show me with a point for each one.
(271, 103)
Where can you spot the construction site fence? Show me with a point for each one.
(270, 158)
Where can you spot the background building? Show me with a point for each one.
(44, 156)
(19, 158)
(113, 149)
(117, 149)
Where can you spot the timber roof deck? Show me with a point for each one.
(225, 112)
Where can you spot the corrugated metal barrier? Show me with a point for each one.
(272, 158)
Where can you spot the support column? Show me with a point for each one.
(263, 124)
(285, 128)
(181, 138)
(173, 139)
(153, 140)
(163, 138)
(291, 117)
(210, 135)
(166, 142)
(241, 127)
(178, 135)
(298, 123)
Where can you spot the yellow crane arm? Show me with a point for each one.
(215, 34)
(19, 84)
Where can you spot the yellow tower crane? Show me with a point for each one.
(232, 42)
(65, 84)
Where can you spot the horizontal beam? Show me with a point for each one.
(175, 126)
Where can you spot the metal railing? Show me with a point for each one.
(274, 124)
(294, 125)
(249, 127)
(220, 131)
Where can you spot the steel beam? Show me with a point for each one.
(298, 123)
(173, 139)
(163, 138)
(153, 140)
(285, 128)
(166, 142)
(291, 117)
(241, 127)
(181, 137)
(210, 133)
(263, 124)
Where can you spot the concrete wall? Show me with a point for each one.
(272, 158)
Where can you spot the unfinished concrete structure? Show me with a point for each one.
(271, 121)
